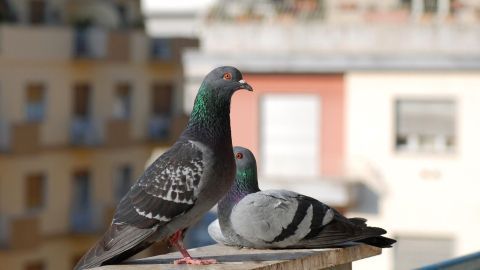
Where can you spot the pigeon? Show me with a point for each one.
(270, 219)
(181, 184)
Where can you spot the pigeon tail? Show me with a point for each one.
(378, 241)
(342, 230)
(119, 242)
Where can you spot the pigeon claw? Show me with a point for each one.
(190, 260)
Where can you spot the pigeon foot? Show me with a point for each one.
(190, 260)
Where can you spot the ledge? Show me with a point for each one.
(230, 258)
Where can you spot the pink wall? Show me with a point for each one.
(245, 113)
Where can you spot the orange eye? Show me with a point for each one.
(238, 155)
(227, 76)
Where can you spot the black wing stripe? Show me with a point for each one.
(300, 214)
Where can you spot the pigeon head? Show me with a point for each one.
(224, 81)
(246, 175)
(210, 118)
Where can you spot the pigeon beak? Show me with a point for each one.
(245, 85)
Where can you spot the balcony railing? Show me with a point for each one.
(86, 219)
(470, 261)
(13, 231)
(117, 132)
(161, 49)
(90, 43)
(4, 136)
(158, 127)
(84, 131)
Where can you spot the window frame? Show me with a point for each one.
(43, 192)
(43, 90)
(394, 125)
(119, 87)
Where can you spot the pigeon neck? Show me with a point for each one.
(210, 119)
(245, 183)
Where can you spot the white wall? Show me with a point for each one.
(448, 205)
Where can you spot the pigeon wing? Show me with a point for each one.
(167, 189)
(274, 218)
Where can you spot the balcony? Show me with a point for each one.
(51, 43)
(118, 132)
(89, 43)
(4, 136)
(332, 40)
(159, 127)
(86, 220)
(13, 228)
(19, 138)
(161, 49)
(95, 43)
(84, 132)
(118, 46)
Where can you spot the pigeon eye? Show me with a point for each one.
(238, 155)
(227, 76)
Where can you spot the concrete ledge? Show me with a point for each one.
(245, 259)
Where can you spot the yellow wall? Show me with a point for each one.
(44, 54)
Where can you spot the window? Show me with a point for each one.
(35, 191)
(406, 3)
(425, 125)
(35, 265)
(37, 11)
(160, 48)
(35, 107)
(81, 215)
(122, 102)
(430, 6)
(123, 181)
(81, 186)
(81, 100)
(122, 14)
(290, 135)
(162, 98)
(414, 252)
(161, 110)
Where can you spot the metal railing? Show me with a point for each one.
(84, 131)
(470, 261)
(4, 136)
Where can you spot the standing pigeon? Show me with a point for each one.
(182, 184)
(248, 217)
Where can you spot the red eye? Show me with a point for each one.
(227, 76)
(238, 155)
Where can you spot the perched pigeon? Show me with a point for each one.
(182, 184)
(248, 217)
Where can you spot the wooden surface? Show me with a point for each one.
(260, 259)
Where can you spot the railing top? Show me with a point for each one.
(230, 258)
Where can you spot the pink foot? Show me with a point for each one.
(190, 260)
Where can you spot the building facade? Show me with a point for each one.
(85, 96)
(366, 105)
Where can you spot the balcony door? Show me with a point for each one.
(81, 204)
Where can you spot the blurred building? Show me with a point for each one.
(367, 105)
(85, 95)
